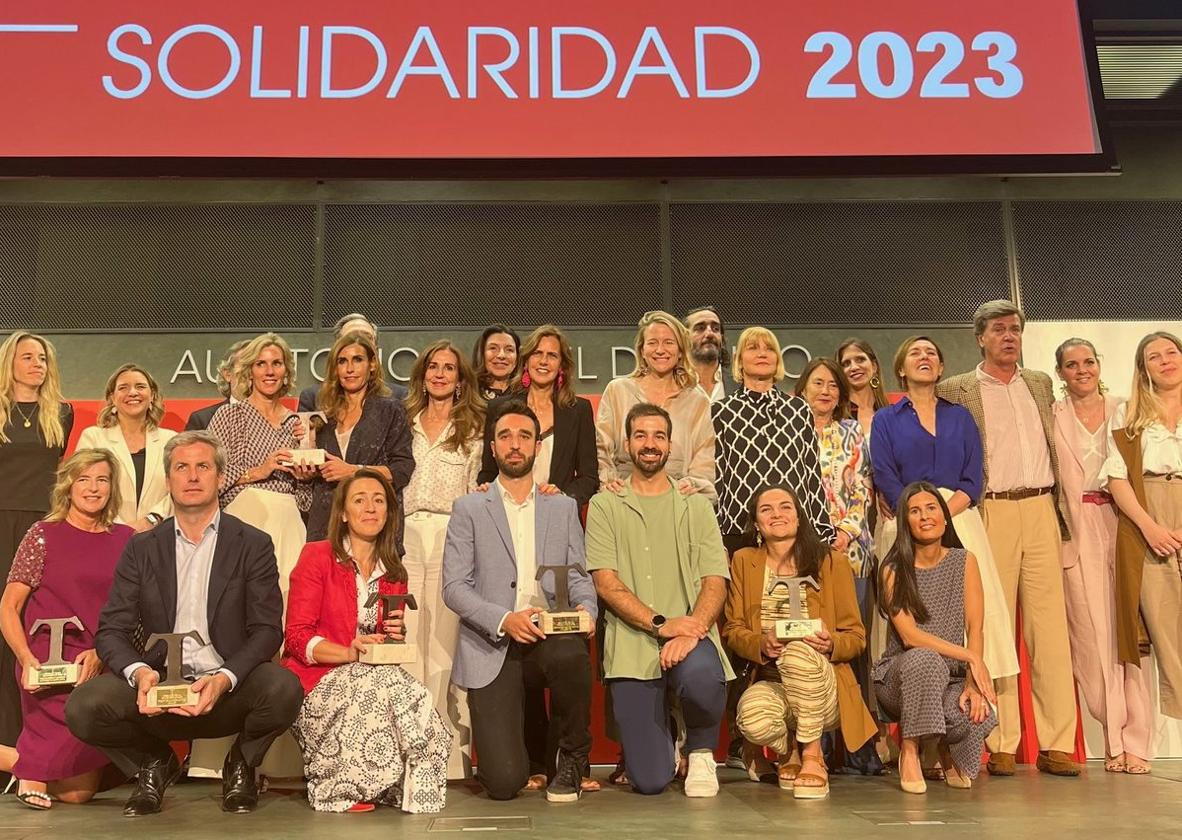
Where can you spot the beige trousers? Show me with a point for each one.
(803, 701)
(1024, 536)
(1161, 595)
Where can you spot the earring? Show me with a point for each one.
(1103, 387)
(1063, 388)
(875, 382)
(525, 380)
(561, 379)
(758, 538)
(459, 391)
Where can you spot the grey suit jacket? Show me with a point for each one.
(965, 390)
(480, 574)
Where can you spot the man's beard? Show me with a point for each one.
(517, 470)
(706, 352)
(647, 471)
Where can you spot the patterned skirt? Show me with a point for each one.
(370, 733)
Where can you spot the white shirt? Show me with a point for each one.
(1161, 449)
(441, 474)
(543, 460)
(521, 529)
(715, 392)
(194, 563)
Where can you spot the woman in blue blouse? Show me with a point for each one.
(925, 438)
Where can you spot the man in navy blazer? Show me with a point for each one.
(204, 571)
(496, 540)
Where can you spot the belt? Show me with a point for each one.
(1097, 497)
(1170, 476)
(1019, 495)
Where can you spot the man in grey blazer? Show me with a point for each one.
(496, 540)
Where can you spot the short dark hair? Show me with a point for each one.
(646, 410)
(518, 407)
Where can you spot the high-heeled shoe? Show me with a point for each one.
(12, 780)
(913, 787)
(955, 779)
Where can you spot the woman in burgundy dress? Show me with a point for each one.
(63, 568)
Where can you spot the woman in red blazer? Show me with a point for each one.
(370, 733)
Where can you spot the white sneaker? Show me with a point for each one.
(702, 778)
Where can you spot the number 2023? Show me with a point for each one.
(1001, 47)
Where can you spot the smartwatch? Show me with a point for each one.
(657, 622)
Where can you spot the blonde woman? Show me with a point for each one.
(35, 425)
(64, 567)
(263, 488)
(1142, 473)
(129, 427)
(446, 415)
(665, 377)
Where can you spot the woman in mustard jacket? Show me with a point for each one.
(796, 689)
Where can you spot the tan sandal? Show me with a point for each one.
(786, 775)
(1115, 765)
(536, 782)
(589, 785)
(1140, 768)
(811, 785)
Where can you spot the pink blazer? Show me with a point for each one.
(321, 601)
(1071, 474)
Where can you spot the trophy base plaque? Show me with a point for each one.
(307, 457)
(51, 675)
(389, 654)
(171, 696)
(575, 621)
(791, 629)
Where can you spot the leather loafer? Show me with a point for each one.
(1057, 763)
(1001, 764)
(240, 790)
(150, 783)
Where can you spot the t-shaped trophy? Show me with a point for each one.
(175, 690)
(796, 626)
(307, 453)
(563, 618)
(390, 651)
(54, 670)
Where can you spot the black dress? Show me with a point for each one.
(27, 476)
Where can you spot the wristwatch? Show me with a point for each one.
(154, 518)
(657, 622)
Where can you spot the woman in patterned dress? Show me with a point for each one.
(933, 678)
(446, 414)
(370, 733)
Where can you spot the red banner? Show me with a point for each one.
(538, 79)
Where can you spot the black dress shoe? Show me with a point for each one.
(150, 783)
(240, 791)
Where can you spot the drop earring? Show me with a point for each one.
(561, 379)
(525, 380)
(875, 382)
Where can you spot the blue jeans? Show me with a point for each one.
(643, 717)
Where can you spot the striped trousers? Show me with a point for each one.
(804, 701)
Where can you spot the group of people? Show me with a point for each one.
(842, 562)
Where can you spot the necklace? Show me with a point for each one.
(27, 418)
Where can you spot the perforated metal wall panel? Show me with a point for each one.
(1118, 260)
(112, 266)
(839, 263)
(471, 264)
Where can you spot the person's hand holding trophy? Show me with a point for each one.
(55, 670)
(811, 631)
(388, 648)
(306, 453)
(563, 618)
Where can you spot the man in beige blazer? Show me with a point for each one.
(1025, 523)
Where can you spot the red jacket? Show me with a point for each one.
(321, 601)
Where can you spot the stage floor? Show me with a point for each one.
(1029, 805)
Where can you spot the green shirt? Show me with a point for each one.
(661, 547)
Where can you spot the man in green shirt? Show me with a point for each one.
(661, 570)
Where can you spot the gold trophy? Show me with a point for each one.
(54, 670)
(563, 618)
(174, 691)
(390, 651)
(796, 626)
(306, 453)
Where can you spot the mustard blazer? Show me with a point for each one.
(836, 604)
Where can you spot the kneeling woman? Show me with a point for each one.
(370, 733)
(932, 678)
(798, 689)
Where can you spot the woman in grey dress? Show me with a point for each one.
(932, 678)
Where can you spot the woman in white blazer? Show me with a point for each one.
(129, 427)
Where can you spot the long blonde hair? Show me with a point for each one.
(684, 374)
(107, 416)
(332, 399)
(467, 406)
(1144, 408)
(248, 355)
(564, 386)
(67, 474)
(49, 395)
